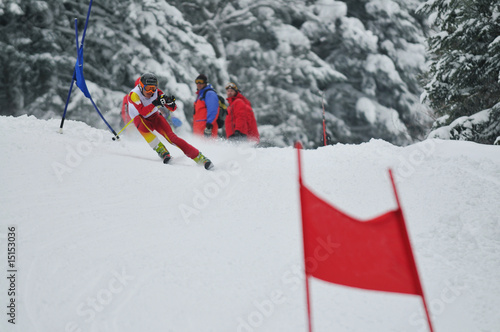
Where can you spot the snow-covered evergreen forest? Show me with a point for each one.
(379, 68)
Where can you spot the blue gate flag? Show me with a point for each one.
(80, 80)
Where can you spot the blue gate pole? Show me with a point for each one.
(72, 81)
(86, 24)
(81, 49)
(67, 102)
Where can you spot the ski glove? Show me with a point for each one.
(164, 100)
(157, 102)
(208, 130)
(167, 101)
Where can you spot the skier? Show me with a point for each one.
(173, 121)
(240, 120)
(143, 106)
(206, 108)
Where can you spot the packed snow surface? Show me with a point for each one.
(108, 238)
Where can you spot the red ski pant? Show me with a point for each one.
(158, 123)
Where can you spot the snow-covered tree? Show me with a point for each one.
(287, 56)
(31, 57)
(360, 59)
(379, 46)
(464, 76)
(481, 127)
(271, 60)
(124, 39)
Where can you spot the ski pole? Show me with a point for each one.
(117, 137)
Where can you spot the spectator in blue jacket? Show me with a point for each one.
(206, 108)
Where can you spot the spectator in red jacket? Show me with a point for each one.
(206, 108)
(240, 120)
(143, 106)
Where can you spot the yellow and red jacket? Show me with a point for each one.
(138, 104)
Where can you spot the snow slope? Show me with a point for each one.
(110, 239)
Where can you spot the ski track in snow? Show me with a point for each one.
(110, 239)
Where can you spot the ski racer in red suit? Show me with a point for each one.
(240, 120)
(173, 121)
(143, 106)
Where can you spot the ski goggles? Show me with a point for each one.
(231, 86)
(149, 88)
(199, 81)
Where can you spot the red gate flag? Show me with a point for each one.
(375, 254)
(340, 249)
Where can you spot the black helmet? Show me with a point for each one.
(148, 79)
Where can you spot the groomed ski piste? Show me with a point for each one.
(108, 238)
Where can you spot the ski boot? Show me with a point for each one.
(163, 153)
(202, 160)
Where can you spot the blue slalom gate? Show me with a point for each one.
(79, 78)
